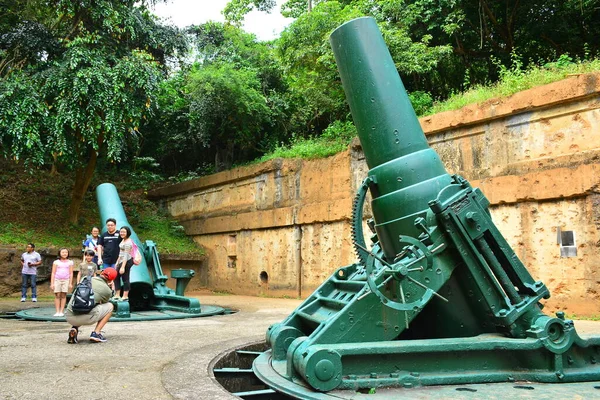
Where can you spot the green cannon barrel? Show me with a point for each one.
(109, 205)
(406, 170)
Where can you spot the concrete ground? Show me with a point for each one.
(141, 360)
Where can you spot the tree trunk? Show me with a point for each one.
(54, 169)
(83, 177)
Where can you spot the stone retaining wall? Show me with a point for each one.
(281, 227)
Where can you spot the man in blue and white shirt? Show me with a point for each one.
(30, 261)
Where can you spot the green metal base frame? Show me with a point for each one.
(487, 358)
(46, 314)
(273, 374)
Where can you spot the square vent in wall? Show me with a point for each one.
(567, 243)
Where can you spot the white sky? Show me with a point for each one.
(187, 12)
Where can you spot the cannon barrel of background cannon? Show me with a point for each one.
(110, 206)
(149, 290)
(406, 170)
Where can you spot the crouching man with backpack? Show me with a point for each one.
(90, 305)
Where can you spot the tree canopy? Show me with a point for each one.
(106, 80)
(78, 80)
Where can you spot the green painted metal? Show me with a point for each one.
(47, 314)
(182, 276)
(149, 298)
(440, 297)
(148, 282)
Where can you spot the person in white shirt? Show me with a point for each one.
(29, 261)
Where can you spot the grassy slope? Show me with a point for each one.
(513, 80)
(33, 209)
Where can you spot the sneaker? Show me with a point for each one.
(73, 335)
(61, 314)
(97, 337)
(33, 299)
(56, 315)
(23, 299)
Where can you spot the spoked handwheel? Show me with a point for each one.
(415, 258)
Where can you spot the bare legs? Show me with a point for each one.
(104, 320)
(60, 300)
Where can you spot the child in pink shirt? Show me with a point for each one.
(61, 280)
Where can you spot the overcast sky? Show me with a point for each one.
(187, 12)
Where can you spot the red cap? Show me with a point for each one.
(109, 274)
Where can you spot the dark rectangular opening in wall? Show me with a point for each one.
(231, 261)
(567, 238)
(567, 242)
(232, 251)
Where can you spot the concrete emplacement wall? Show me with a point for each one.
(281, 227)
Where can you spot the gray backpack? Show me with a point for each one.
(83, 297)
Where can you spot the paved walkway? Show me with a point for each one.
(141, 360)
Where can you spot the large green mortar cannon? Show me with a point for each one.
(440, 298)
(148, 282)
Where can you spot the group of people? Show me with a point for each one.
(107, 261)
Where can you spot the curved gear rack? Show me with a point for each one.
(358, 238)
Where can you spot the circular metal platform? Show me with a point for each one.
(47, 314)
(276, 386)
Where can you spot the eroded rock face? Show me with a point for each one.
(10, 271)
(10, 268)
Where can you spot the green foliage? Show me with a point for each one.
(228, 107)
(227, 110)
(315, 88)
(304, 148)
(158, 227)
(79, 101)
(243, 98)
(295, 8)
(583, 318)
(19, 234)
(11, 233)
(236, 10)
(30, 205)
(221, 43)
(147, 163)
(335, 139)
(516, 79)
(421, 101)
(216, 110)
(310, 66)
(205, 169)
(143, 179)
(144, 173)
(76, 85)
(168, 234)
(436, 44)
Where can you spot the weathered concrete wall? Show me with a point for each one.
(535, 156)
(282, 227)
(265, 228)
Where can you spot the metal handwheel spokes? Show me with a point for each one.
(415, 257)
